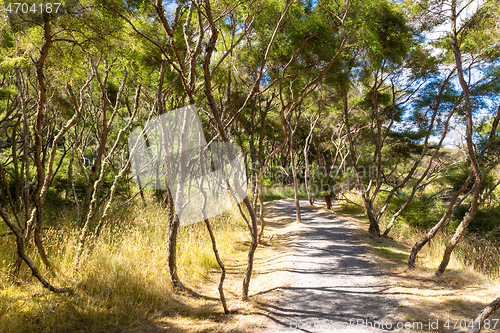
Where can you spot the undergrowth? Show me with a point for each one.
(123, 280)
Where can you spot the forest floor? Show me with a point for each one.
(335, 285)
(342, 280)
(323, 275)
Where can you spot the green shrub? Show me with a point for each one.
(485, 221)
(421, 213)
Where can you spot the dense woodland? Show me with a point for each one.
(389, 106)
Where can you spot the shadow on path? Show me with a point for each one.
(333, 287)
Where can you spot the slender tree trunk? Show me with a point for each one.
(263, 169)
(22, 254)
(433, 231)
(17, 178)
(479, 322)
(101, 162)
(251, 250)
(220, 287)
(429, 165)
(459, 233)
(25, 165)
(470, 146)
(373, 228)
(37, 200)
(222, 132)
(294, 175)
(173, 200)
(173, 229)
(122, 171)
(310, 194)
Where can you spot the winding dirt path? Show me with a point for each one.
(333, 286)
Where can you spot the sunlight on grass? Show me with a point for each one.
(124, 277)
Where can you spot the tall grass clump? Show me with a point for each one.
(122, 281)
(351, 203)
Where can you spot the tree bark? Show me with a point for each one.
(96, 166)
(22, 254)
(294, 169)
(471, 152)
(479, 323)
(173, 229)
(100, 165)
(310, 195)
(433, 231)
(37, 198)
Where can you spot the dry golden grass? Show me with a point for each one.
(123, 284)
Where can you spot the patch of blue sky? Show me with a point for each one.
(475, 75)
(170, 7)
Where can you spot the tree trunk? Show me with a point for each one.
(25, 164)
(220, 287)
(328, 201)
(459, 232)
(479, 322)
(471, 152)
(178, 201)
(37, 200)
(22, 254)
(98, 169)
(374, 228)
(263, 169)
(17, 177)
(251, 250)
(427, 237)
(173, 229)
(294, 175)
(310, 194)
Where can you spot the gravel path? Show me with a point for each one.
(333, 286)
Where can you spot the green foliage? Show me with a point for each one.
(485, 222)
(386, 76)
(456, 178)
(382, 29)
(422, 212)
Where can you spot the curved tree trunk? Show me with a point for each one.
(173, 228)
(37, 199)
(22, 254)
(98, 169)
(220, 287)
(251, 250)
(479, 322)
(470, 145)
